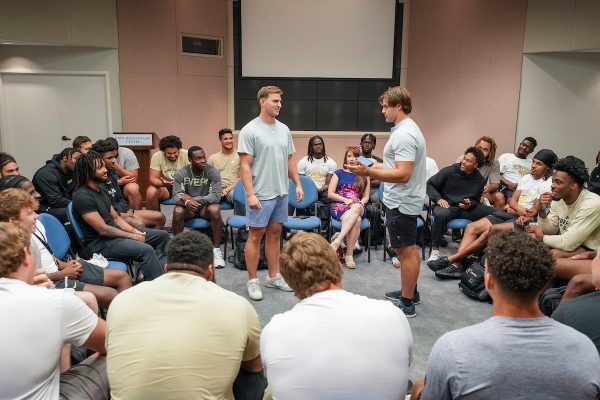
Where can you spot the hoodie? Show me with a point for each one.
(53, 184)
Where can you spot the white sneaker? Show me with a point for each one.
(357, 246)
(219, 261)
(395, 262)
(435, 254)
(254, 291)
(277, 282)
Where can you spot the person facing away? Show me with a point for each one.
(518, 352)
(182, 336)
(333, 344)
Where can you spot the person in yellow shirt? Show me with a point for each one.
(227, 161)
(569, 218)
(163, 165)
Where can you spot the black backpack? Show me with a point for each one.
(375, 225)
(239, 253)
(472, 282)
(550, 298)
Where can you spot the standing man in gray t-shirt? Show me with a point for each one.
(518, 353)
(403, 172)
(265, 147)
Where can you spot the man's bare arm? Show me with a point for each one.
(254, 366)
(154, 178)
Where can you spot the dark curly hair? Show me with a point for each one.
(576, 169)
(478, 155)
(169, 141)
(521, 265)
(191, 251)
(104, 146)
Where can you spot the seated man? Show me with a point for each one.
(518, 352)
(318, 166)
(579, 311)
(54, 182)
(521, 210)
(126, 167)
(82, 143)
(8, 165)
(206, 334)
(36, 323)
(163, 165)
(18, 207)
(514, 166)
(197, 191)
(368, 141)
(227, 162)
(594, 183)
(572, 224)
(318, 349)
(490, 170)
(456, 192)
(105, 232)
(135, 217)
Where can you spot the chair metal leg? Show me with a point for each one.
(368, 245)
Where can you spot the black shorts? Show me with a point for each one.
(499, 217)
(401, 227)
(91, 274)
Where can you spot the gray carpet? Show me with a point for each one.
(443, 307)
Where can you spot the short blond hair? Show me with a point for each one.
(12, 201)
(395, 96)
(309, 264)
(265, 91)
(13, 242)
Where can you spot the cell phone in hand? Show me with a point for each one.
(365, 160)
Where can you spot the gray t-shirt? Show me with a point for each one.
(406, 143)
(204, 187)
(127, 159)
(513, 358)
(269, 145)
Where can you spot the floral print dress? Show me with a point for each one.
(346, 187)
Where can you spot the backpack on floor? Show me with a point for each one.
(375, 225)
(472, 282)
(239, 253)
(550, 298)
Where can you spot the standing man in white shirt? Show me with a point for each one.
(265, 148)
(403, 172)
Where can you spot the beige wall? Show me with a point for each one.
(562, 25)
(163, 91)
(63, 22)
(464, 68)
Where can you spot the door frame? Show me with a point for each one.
(5, 140)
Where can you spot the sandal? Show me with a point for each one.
(350, 264)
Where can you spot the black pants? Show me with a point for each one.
(150, 255)
(443, 215)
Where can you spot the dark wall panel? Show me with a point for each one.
(336, 115)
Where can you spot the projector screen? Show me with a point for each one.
(318, 38)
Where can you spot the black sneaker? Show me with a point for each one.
(452, 271)
(438, 264)
(395, 295)
(409, 311)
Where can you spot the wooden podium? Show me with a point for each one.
(142, 144)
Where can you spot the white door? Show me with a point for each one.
(42, 113)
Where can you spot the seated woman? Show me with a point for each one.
(348, 194)
(521, 210)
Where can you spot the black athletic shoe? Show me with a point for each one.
(452, 271)
(409, 311)
(396, 294)
(438, 264)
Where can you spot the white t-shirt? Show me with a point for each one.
(46, 258)
(431, 168)
(36, 323)
(317, 169)
(513, 168)
(531, 189)
(127, 159)
(338, 344)
(406, 143)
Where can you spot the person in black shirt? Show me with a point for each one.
(594, 183)
(455, 192)
(368, 141)
(105, 232)
(136, 218)
(54, 182)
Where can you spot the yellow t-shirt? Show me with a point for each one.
(178, 337)
(167, 168)
(228, 166)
